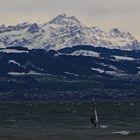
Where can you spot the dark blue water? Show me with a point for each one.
(69, 121)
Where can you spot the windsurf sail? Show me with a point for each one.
(94, 115)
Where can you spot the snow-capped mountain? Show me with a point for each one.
(64, 31)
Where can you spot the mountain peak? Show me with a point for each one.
(115, 30)
(96, 29)
(64, 19)
(33, 28)
(62, 15)
(117, 33)
(65, 31)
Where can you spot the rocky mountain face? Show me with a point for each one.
(62, 32)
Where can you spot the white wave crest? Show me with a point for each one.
(122, 132)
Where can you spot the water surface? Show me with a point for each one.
(69, 121)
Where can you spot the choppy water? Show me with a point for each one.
(69, 121)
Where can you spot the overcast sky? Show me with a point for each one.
(123, 14)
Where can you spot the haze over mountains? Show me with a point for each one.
(62, 32)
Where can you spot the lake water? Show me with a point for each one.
(69, 121)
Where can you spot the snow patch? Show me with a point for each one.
(98, 70)
(12, 51)
(23, 73)
(124, 58)
(34, 73)
(111, 72)
(81, 53)
(69, 73)
(85, 53)
(103, 71)
(16, 73)
(14, 62)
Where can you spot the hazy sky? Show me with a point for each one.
(124, 14)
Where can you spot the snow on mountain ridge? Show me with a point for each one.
(64, 31)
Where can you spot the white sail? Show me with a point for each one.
(96, 116)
